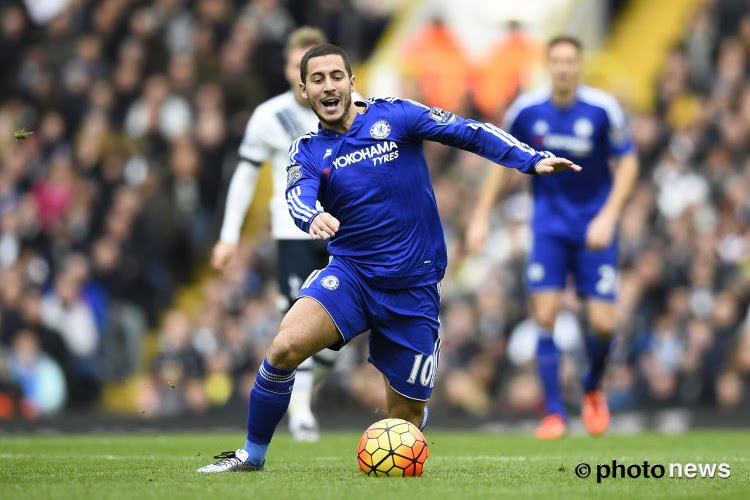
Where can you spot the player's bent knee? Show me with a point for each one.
(544, 308)
(602, 327)
(602, 319)
(545, 319)
(285, 353)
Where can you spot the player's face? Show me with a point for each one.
(291, 68)
(328, 88)
(565, 66)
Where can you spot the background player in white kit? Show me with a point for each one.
(273, 126)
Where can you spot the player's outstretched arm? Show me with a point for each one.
(554, 165)
(478, 228)
(483, 139)
(323, 226)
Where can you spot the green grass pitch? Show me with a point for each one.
(462, 465)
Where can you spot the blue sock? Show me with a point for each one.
(548, 364)
(597, 347)
(269, 400)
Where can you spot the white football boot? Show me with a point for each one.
(231, 461)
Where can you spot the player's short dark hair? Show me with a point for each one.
(324, 49)
(575, 42)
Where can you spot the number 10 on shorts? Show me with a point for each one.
(424, 369)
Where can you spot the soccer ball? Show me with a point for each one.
(392, 447)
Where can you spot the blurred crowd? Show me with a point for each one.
(137, 110)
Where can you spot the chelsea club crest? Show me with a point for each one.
(380, 129)
(330, 282)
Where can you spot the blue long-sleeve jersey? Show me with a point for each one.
(374, 180)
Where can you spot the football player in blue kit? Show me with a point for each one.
(366, 166)
(574, 222)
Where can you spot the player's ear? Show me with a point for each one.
(303, 90)
(351, 84)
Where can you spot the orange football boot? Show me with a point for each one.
(595, 412)
(552, 426)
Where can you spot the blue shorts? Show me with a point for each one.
(553, 258)
(403, 324)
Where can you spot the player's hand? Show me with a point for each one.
(323, 226)
(600, 231)
(554, 165)
(476, 234)
(222, 254)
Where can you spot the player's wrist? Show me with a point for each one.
(311, 219)
(609, 213)
(229, 237)
(535, 169)
(539, 161)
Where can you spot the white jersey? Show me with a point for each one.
(273, 126)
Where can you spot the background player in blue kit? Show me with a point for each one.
(367, 168)
(574, 221)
